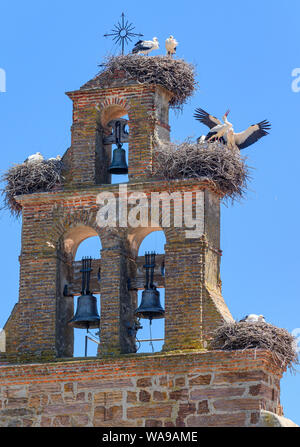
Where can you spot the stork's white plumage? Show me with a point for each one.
(217, 128)
(225, 132)
(244, 139)
(58, 157)
(145, 46)
(34, 158)
(253, 318)
(171, 45)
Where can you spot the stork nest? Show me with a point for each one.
(176, 75)
(27, 178)
(214, 162)
(242, 335)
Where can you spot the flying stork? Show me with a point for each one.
(225, 132)
(145, 46)
(171, 45)
(217, 128)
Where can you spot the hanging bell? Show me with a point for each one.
(150, 307)
(86, 316)
(118, 164)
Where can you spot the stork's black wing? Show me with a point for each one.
(142, 45)
(252, 134)
(205, 118)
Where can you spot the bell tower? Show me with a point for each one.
(55, 223)
(188, 383)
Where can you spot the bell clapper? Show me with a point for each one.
(150, 326)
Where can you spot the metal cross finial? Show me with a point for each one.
(122, 32)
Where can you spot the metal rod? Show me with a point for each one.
(95, 341)
(86, 343)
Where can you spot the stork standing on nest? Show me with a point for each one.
(34, 158)
(224, 131)
(253, 318)
(171, 45)
(145, 46)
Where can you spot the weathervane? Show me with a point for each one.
(122, 32)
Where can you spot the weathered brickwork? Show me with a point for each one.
(184, 390)
(55, 223)
(186, 384)
(148, 112)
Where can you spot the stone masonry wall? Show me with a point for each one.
(195, 389)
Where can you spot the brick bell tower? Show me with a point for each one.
(186, 384)
(56, 222)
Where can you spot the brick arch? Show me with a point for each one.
(112, 108)
(137, 235)
(78, 225)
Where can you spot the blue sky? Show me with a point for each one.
(244, 53)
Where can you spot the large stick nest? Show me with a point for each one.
(27, 178)
(260, 335)
(224, 168)
(176, 75)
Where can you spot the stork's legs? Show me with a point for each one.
(217, 136)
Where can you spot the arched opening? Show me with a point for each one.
(114, 112)
(86, 243)
(153, 241)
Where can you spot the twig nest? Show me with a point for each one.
(31, 176)
(176, 75)
(242, 335)
(215, 162)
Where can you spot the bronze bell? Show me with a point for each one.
(118, 164)
(86, 316)
(150, 307)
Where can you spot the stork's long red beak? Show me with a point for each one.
(227, 112)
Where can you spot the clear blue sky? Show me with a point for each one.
(244, 53)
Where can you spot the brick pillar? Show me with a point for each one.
(148, 117)
(194, 303)
(36, 324)
(116, 303)
(89, 158)
(183, 295)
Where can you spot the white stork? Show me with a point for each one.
(226, 134)
(35, 158)
(241, 140)
(145, 46)
(217, 128)
(171, 45)
(253, 318)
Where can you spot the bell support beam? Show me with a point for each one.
(135, 283)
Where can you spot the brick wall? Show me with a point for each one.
(147, 107)
(185, 389)
(53, 226)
